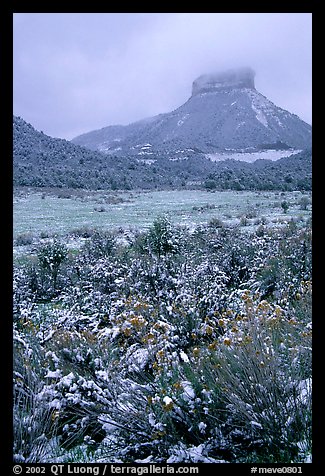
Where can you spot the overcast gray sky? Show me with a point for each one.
(76, 72)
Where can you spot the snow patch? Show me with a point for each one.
(167, 400)
(305, 388)
(137, 359)
(178, 159)
(202, 427)
(54, 374)
(184, 357)
(188, 393)
(146, 161)
(181, 121)
(193, 454)
(261, 106)
(67, 380)
(242, 123)
(258, 425)
(260, 116)
(268, 154)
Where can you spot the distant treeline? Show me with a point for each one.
(42, 161)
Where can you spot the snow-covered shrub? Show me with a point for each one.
(76, 383)
(23, 302)
(100, 244)
(33, 423)
(50, 256)
(173, 347)
(264, 370)
(24, 239)
(256, 376)
(162, 238)
(281, 259)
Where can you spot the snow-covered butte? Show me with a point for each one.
(231, 79)
(225, 111)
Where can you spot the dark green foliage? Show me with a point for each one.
(210, 184)
(304, 202)
(42, 161)
(50, 257)
(263, 174)
(24, 239)
(162, 238)
(100, 244)
(285, 206)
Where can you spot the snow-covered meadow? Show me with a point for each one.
(55, 212)
(184, 339)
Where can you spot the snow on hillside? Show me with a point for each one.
(269, 154)
(224, 111)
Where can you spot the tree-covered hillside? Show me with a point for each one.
(286, 174)
(42, 161)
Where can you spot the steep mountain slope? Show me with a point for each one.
(224, 114)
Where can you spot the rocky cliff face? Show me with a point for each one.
(224, 113)
(231, 79)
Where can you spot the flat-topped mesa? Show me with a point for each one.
(231, 79)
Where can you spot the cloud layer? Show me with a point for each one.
(77, 72)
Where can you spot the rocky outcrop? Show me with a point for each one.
(231, 79)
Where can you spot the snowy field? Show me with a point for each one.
(175, 347)
(40, 213)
